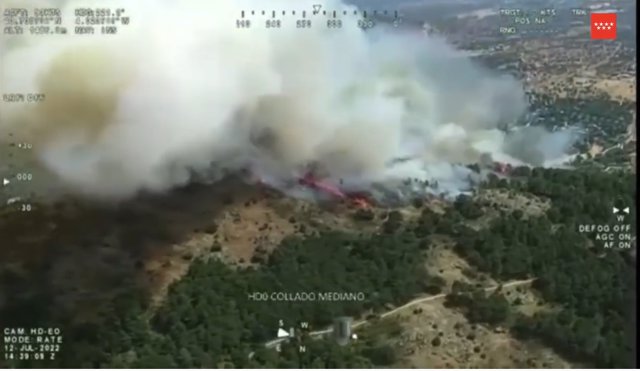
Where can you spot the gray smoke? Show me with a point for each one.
(539, 147)
(182, 91)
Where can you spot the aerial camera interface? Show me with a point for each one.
(318, 184)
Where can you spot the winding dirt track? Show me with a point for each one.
(274, 342)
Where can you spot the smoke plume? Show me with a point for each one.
(182, 91)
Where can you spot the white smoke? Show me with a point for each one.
(181, 90)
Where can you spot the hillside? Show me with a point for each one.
(174, 273)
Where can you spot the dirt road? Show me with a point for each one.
(274, 342)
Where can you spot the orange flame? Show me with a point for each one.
(361, 203)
